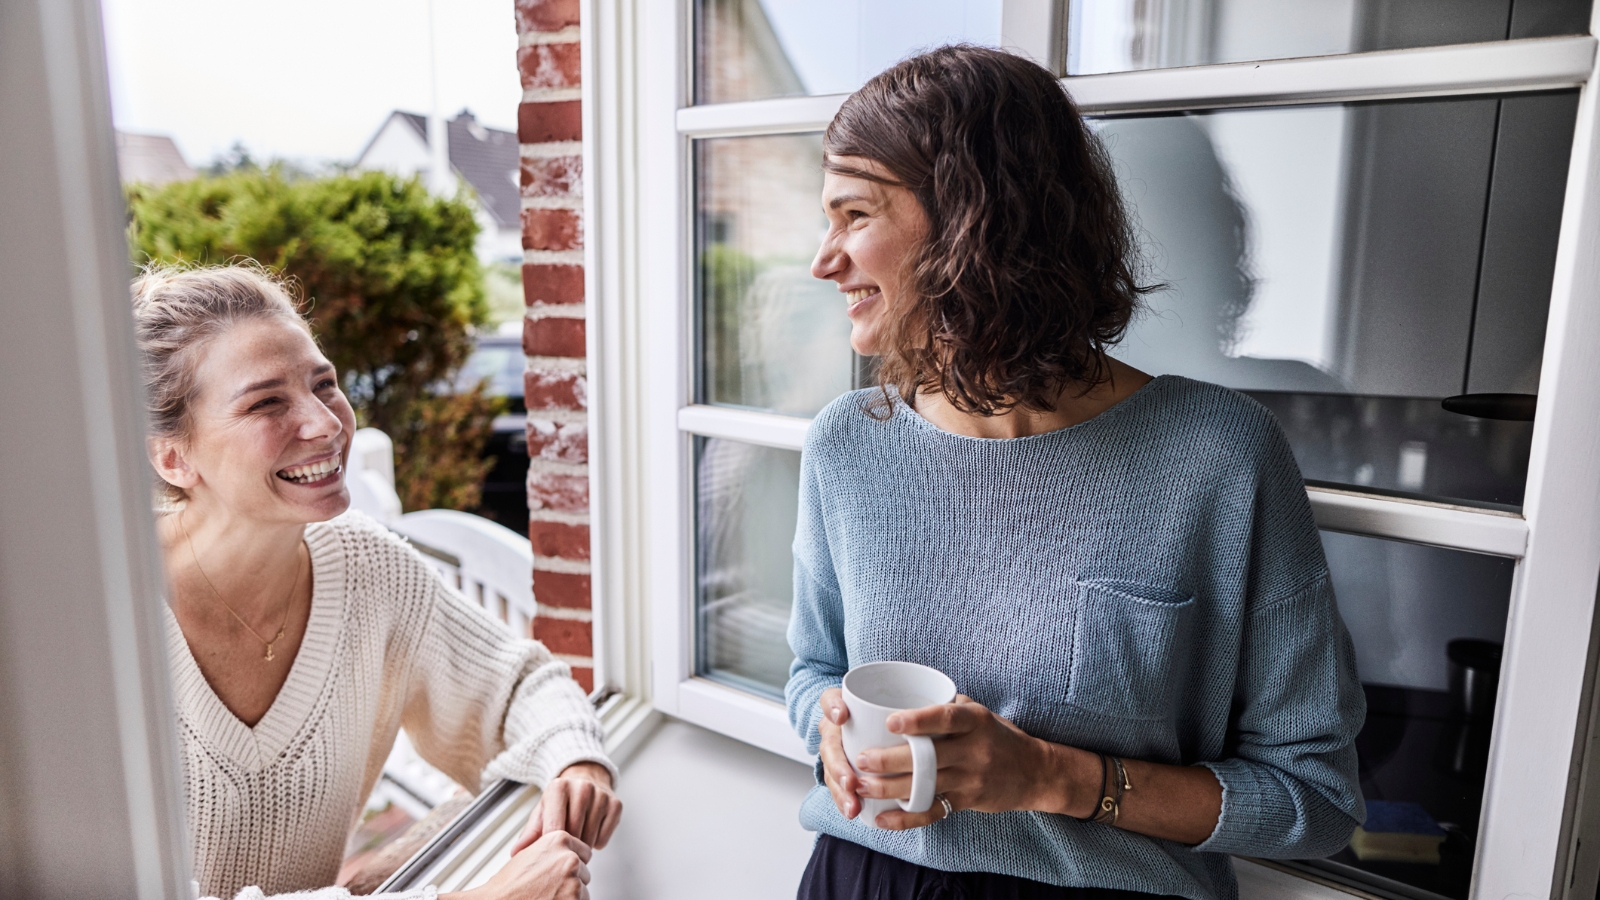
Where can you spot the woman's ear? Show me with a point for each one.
(166, 455)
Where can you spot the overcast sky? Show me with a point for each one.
(305, 80)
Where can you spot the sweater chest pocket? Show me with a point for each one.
(1127, 648)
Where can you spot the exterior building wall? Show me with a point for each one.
(549, 128)
(396, 148)
(496, 244)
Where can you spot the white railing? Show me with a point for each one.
(488, 563)
(491, 565)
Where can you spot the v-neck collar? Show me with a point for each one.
(255, 748)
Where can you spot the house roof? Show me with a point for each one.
(151, 159)
(486, 158)
(490, 161)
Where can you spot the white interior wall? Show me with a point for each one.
(705, 817)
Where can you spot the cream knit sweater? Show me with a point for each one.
(388, 645)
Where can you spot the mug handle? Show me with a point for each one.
(924, 772)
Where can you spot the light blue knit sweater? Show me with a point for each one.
(1148, 584)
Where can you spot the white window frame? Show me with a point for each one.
(88, 742)
(639, 123)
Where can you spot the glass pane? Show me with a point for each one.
(1427, 625)
(755, 49)
(1121, 35)
(1352, 265)
(771, 336)
(746, 502)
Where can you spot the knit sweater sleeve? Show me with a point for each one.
(1290, 788)
(816, 625)
(482, 705)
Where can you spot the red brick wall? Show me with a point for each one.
(550, 129)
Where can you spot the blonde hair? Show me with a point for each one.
(177, 311)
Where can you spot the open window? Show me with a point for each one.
(1373, 217)
(1387, 204)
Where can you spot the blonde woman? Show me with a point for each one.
(303, 636)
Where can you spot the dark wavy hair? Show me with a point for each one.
(1030, 266)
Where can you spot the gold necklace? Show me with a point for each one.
(218, 594)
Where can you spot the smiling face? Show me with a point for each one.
(269, 429)
(874, 230)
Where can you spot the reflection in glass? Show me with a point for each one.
(1400, 252)
(755, 49)
(746, 502)
(771, 336)
(1403, 446)
(1427, 626)
(1122, 35)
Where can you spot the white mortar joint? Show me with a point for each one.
(550, 149)
(552, 95)
(567, 35)
(557, 365)
(553, 258)
(556, 201)
(558, 516)
(542, 466)
(560, 564)
(554, 311)
(562, 612)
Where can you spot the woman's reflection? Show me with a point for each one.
(1198, 236)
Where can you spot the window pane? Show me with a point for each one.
(755, 49)
(746, 502)
(771, 336)
(1352, 265)
(1427, 625)
(1121, 35)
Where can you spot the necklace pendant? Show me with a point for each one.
(269, 653)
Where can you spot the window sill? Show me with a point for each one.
(473, 847)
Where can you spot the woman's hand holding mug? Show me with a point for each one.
(984, 762)
(836, 771)
(854, 722)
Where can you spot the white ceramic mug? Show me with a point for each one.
(872, 693)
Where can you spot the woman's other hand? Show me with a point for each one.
(985, 763)
(552, 869)
(841, 779)
(580, 802)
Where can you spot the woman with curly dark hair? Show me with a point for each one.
(1120, 573)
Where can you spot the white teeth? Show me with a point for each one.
(860, 295)
(310, 473)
